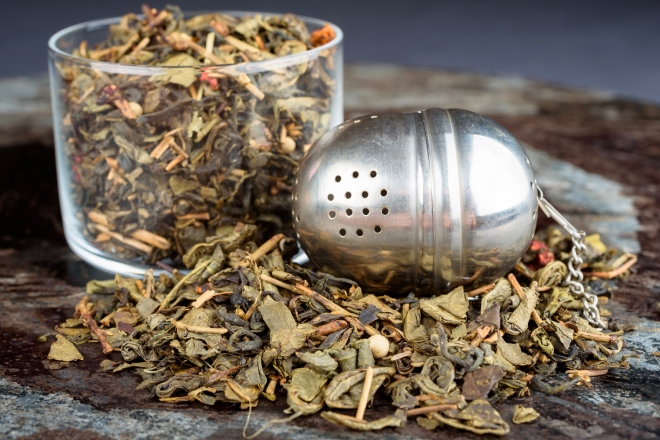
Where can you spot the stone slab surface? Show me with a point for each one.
(596, 156)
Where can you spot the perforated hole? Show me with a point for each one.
(349, 212)
(355, 174)
(359, 233)
(342, 232)
(374, 116)
(383, 192)
(356, 121)
(385, 211)
(331, 197)
(373, 174)
(365, 194)
(348, 195)
(365, 211)
(296, 198)
(297, 218)
(332, 214)
(377, 229)
(338, 179)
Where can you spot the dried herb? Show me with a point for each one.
(163, 160)
(524, 415)
(64, 350)
(244, 324)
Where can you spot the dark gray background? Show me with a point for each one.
(611, 45)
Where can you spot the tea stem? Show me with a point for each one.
(516, 286)
(197, 329)
(364, 398)
(429, 409)
(85, 313)
(481, 290)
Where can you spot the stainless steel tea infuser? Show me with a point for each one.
(422, 202)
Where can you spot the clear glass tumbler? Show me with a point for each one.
(153, 160)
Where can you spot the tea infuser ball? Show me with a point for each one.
(419, 202)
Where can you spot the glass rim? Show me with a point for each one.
(140, 69)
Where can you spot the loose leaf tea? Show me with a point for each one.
(64, 350)
(189, 137)
(245, 324)
(524, 415)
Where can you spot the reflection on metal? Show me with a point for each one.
(416, 202)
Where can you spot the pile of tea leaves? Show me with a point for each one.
(165, 155)
(243, 323)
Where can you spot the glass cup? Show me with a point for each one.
(152, 160)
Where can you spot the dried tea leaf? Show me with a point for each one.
(347, 359)
(477, 384)
(319, 361)
(524, 415)
(498, 294)
(490, 317)
(55, 365)
(559, 296)
(415, 333)
(100, 286)
(458, 332)
(289, 340)
(71, 322)
(449, 309)
(390, 313)
(277, 316)
(146, 307)
(595, 243)
(305, 391)
(540, 336)
(403, 393)
(397, 420)
(518, 322)
(428, 422)
(181, 186)
(365, 357)
(126, 328)
(127, 365)
(538, 384)
(77, 331)
(436, 377)
(479, 417)
(368, 315)
(552, 274)
(126, 315)
(564, 334)
(512, 353)
(345, 389)
(64, 350)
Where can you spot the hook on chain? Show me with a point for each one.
(575, 277)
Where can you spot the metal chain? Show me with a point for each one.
(574, 279)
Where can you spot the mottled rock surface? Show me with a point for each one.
(596, 156)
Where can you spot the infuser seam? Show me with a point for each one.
(456, 204)
(421, 149)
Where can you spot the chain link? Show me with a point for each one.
(574, 279)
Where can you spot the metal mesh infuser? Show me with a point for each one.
(416, 202)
